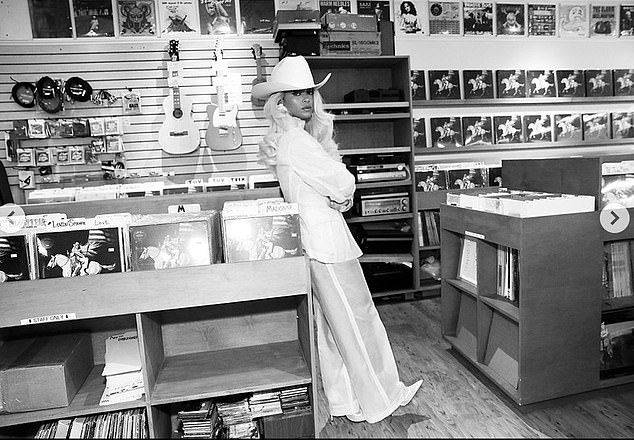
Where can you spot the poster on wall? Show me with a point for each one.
(603, 21)
(136, 17)
(257, 16)
(334, 7)
(380, 8)
(444, 18)
(93, 18)
(511, 19)
(217, 17)
(409, 17)
(50, 19)
(478, 18)
(178, 16)
(542, 20)
(626, 20)
(573, 20)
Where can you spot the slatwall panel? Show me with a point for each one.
(117, 65)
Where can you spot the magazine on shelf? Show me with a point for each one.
(539, 128)
(477, 18)
(603, 20)
(540, 83)
(511, 83)
(164, 241)
(622, 125)
(15, 253)
(511, 19)
(573, 19)
(623, 82)
(596, 126)
(477, 130)
(542, 19)
(446, 132)
(570, 83)
(444, 18)
(599, 82)
(508, 129)
(568, 127)
(477, 84)
(444, 84)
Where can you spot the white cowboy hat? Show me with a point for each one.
(291, 73)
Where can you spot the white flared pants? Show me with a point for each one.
(357, 365)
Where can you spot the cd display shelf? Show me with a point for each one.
(545, 345)
(204, 332)
(380, 127)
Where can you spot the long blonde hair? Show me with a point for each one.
(320, 126)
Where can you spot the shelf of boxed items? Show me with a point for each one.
(370, 98)
(204, 332)
(524, 347)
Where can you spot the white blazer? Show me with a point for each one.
(308, 176)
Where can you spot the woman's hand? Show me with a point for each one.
(340, 206)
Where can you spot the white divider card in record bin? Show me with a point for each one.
(260, 229)
(124, 378)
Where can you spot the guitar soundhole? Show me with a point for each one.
(178, 113)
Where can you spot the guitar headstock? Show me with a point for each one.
(219, 65)
(173, 50)
(256, 50)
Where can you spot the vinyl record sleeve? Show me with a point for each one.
(626, 20)
(568, 127)
(623, 82)
(15, 258)
(79, 251)
(573, 19)
(467, 178)
(476, 130)
(511, 83)
(477, 18)
(429, 179)
(446, 132)
(603, 21)
(511, 19)
(542, 19)
(570, 83)
(164, 241)
(417, 84)
(539, 128)
(508, 129)
(420, 136)
(444, 18)
(477, 84)
(540, 83)
(444, 84)
(136, 17)
(599, 82)
(622, 125)
(596, 126)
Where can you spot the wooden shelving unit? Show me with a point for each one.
(369, 128)
(204, 332)
(547, 344)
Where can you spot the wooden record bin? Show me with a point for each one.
(545, 345)
(209, 331)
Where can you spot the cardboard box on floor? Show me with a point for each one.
(43, 372)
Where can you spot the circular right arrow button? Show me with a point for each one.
(614, 218)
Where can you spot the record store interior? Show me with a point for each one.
(316, 219)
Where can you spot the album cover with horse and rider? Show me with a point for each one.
(14, 258)
(79, 251)
(165, 241)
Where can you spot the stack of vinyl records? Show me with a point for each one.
(294, 399)
(201, 422)
(237, 420)
(265, 404)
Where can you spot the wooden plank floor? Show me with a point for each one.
(455, 402)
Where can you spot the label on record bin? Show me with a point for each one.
(49, 318)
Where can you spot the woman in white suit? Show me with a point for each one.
(358, 369)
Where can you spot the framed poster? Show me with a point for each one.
(542, 20)
(257, 16)
(136, 17)
(477, 84)
(539, 128)
(444, 18)
(573, 20)
(540, 83)
(477, 18)
(511, 19)
(408, 17)
(603, 21)
(50, 19)
(93, 18)
(178, 16)
(626, 20)
(380, 8)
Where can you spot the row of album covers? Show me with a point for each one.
(520, 83)
(53, 246)
(467, 131)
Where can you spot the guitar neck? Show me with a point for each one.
(176, 97)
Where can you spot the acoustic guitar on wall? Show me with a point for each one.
(223, 133)
(179, 133)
